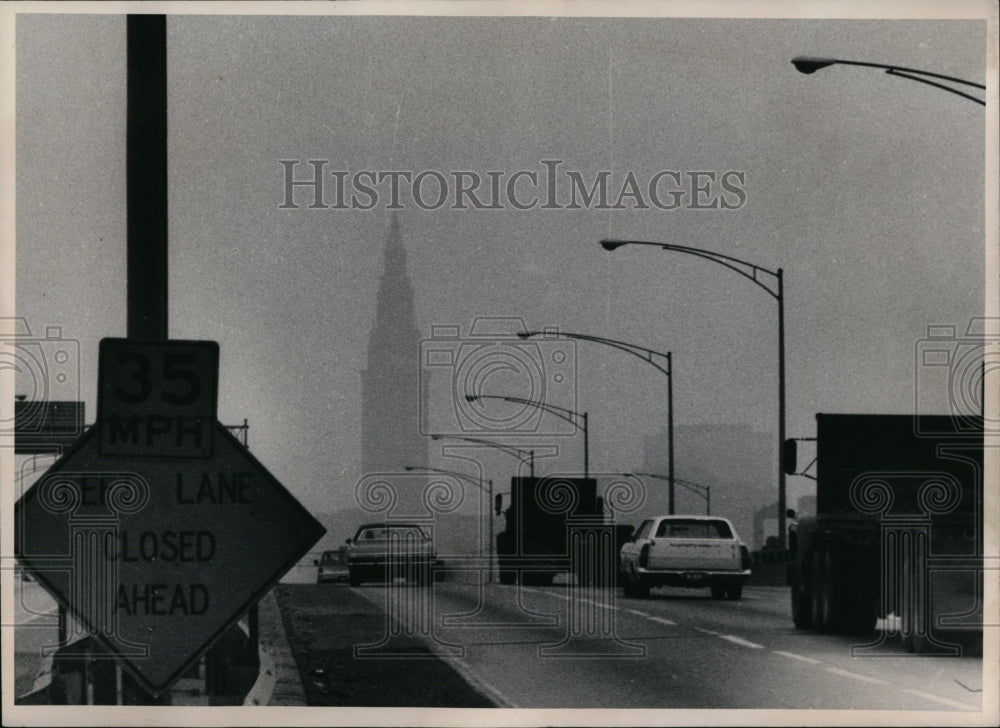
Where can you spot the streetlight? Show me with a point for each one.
(514, 452)
(704, 491)
(774, 286)
(807, 65)
(478, 482)
(646, 355)
(561, 412)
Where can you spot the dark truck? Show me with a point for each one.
(898, 529)
(557, 524)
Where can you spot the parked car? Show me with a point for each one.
(332, 566)
(685, 551)
(383, 552)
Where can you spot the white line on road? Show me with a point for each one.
(855, 676)
(740, 641)
(810, 660)
(661, 620)
(707, 631)
(943, 701)
(579, 599)
(638, 613)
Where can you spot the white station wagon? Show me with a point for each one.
(685, 551)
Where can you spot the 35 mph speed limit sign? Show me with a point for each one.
(157, 399)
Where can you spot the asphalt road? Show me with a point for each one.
(551, 647)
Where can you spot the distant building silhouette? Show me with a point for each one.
(390, 385)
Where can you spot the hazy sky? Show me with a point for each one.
(866, 189)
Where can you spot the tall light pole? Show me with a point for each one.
(807, 65)
(646, 355)
(704, 491)
(514, 452)
(774, 285)
(577, 419)
(478, 482)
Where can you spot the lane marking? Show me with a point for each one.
(661, 620)
(638, 613)
(740, 641)
(581, 600)
(810, 660)
(855, 676)
(942, 701)
(707, 631)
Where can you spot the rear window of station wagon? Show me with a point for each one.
(381, 533)
(694, 529)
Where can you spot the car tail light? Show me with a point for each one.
(644, 557)
(744, 558)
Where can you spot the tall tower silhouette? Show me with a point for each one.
(390, 386)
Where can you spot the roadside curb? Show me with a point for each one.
(279, 682)
(484, 689)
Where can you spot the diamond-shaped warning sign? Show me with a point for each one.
(156, 557)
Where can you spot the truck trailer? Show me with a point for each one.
(898, 530)
(556, 525)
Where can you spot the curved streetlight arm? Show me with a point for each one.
(940, 86)
(517, 453)
(703, 491)
(745, 268)
(577, 419)
(807, 65)
(639, 351)
(561, 412)
(646, 355)
(749, 271)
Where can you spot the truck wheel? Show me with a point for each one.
(801, 614)
(734, 592)
(818, 601)
(718, 591)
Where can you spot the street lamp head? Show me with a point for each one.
(523, 334)
(471, 397)
(436, 437)
(806, 64)
(609, 244)
(409, 468)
